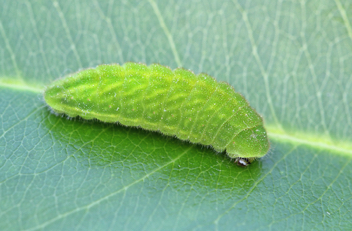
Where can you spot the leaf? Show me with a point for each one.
(291, 60)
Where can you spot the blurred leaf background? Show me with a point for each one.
(290, 59)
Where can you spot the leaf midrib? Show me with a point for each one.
(274, 132)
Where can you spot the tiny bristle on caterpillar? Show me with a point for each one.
(176, 103)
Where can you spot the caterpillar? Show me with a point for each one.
(176, 102)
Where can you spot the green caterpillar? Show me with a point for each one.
(176, 103)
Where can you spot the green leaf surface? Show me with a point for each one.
(290, 59)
